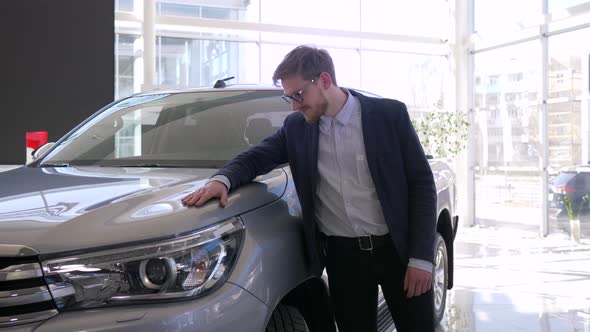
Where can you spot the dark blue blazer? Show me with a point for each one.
(397, 163)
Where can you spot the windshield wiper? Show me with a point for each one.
(147, 165)
(55, 165)
(137, 165)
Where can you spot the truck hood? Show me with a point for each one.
(60, 209)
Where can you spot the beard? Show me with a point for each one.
(312, 114)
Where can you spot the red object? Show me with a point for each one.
(36, 138)
(567, 189)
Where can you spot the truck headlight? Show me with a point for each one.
(183, 267)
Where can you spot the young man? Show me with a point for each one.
(366, 190)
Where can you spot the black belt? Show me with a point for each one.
(363, 242)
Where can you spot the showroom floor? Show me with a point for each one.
(509, 279)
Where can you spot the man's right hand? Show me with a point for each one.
(213, 189)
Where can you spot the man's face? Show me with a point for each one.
(305, 96)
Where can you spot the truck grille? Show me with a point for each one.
(24, 297)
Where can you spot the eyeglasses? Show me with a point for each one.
(298, 96)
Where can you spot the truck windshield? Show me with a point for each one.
(195, 129)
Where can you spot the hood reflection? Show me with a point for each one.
(70, 208)
(70, 199)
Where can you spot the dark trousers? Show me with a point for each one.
(353, 276)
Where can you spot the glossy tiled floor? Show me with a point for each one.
(509, 279)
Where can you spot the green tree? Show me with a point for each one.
(442, 134)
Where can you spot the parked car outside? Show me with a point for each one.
(572, 182)
(94, 235)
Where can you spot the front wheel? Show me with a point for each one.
(286, 319)
(440, 278)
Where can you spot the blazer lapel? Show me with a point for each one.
(369, 136)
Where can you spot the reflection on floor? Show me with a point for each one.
(509, 279)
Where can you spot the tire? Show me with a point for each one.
(286, 319)
(440, 278)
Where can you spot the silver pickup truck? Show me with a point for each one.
(93, 235)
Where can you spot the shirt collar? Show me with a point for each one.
(342, 117)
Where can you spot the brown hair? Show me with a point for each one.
(307, 61)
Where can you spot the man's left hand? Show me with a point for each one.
(417, 282)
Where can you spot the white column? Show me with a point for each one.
(462, 60)
(544, 227)
(585, 106)
(117, 66)
(138, 65)
(149, 45)
(138, 73)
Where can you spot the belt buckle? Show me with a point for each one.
(362, 243)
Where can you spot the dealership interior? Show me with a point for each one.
(499, 89)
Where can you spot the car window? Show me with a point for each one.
(198, 129)
(581, 181)
(563, 178)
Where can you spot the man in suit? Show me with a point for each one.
(366, 190)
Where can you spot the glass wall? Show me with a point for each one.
(312, 13)
(190, 10)
(507, 98)
(418, 80)
(125, 64)
(124, 5)
(568, 129)
(193, 63)
(198, 42)
(497, 20)
(531, 115)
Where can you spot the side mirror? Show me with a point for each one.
(38, 152)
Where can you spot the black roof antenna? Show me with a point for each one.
(221, 83)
